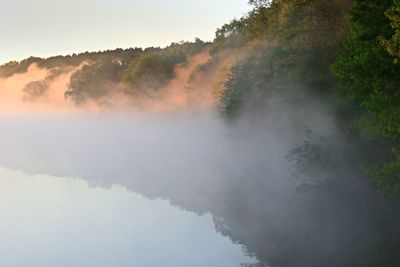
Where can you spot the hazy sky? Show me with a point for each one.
(50, 27)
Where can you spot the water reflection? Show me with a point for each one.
(327, 214)
(47, 221)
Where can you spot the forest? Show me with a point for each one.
(343, 52)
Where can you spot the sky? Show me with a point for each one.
(47, 27)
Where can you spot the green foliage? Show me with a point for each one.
(94, 80)
(129, 71)
(291, 43)
(310, 36)
(238, 90)
(387, 177)
(259, 3)
(392, 44)
(15, 67)
(368, 20)
(154, 69)
(261, 23)
(247, 83)
(113, 70)
(371, 77)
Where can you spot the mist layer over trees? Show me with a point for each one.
(306, 91)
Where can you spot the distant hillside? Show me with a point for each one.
(95, 75)
(14, 67)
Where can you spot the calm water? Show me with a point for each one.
(49, 221)
(186, 190)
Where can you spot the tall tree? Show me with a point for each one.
(371, 78)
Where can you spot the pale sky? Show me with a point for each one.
(51, 27)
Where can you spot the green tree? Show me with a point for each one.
(371, 78)
(292, 45)
(392, 44)
(153, 70)
(94, 81)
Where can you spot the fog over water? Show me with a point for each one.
(231, 185)
(239, 173)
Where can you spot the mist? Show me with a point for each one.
(38, 90)
(43, 91)
(244, 173)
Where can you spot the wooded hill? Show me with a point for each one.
(345, 53)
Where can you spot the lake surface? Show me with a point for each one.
(187, 190)
(49, 221)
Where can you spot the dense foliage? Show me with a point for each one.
(94, 80)
(14, 67)
(131, 74)
(370, 75)
(154, 69)
(293, 44)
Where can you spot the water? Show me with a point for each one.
(49, 221)
(186, 190)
